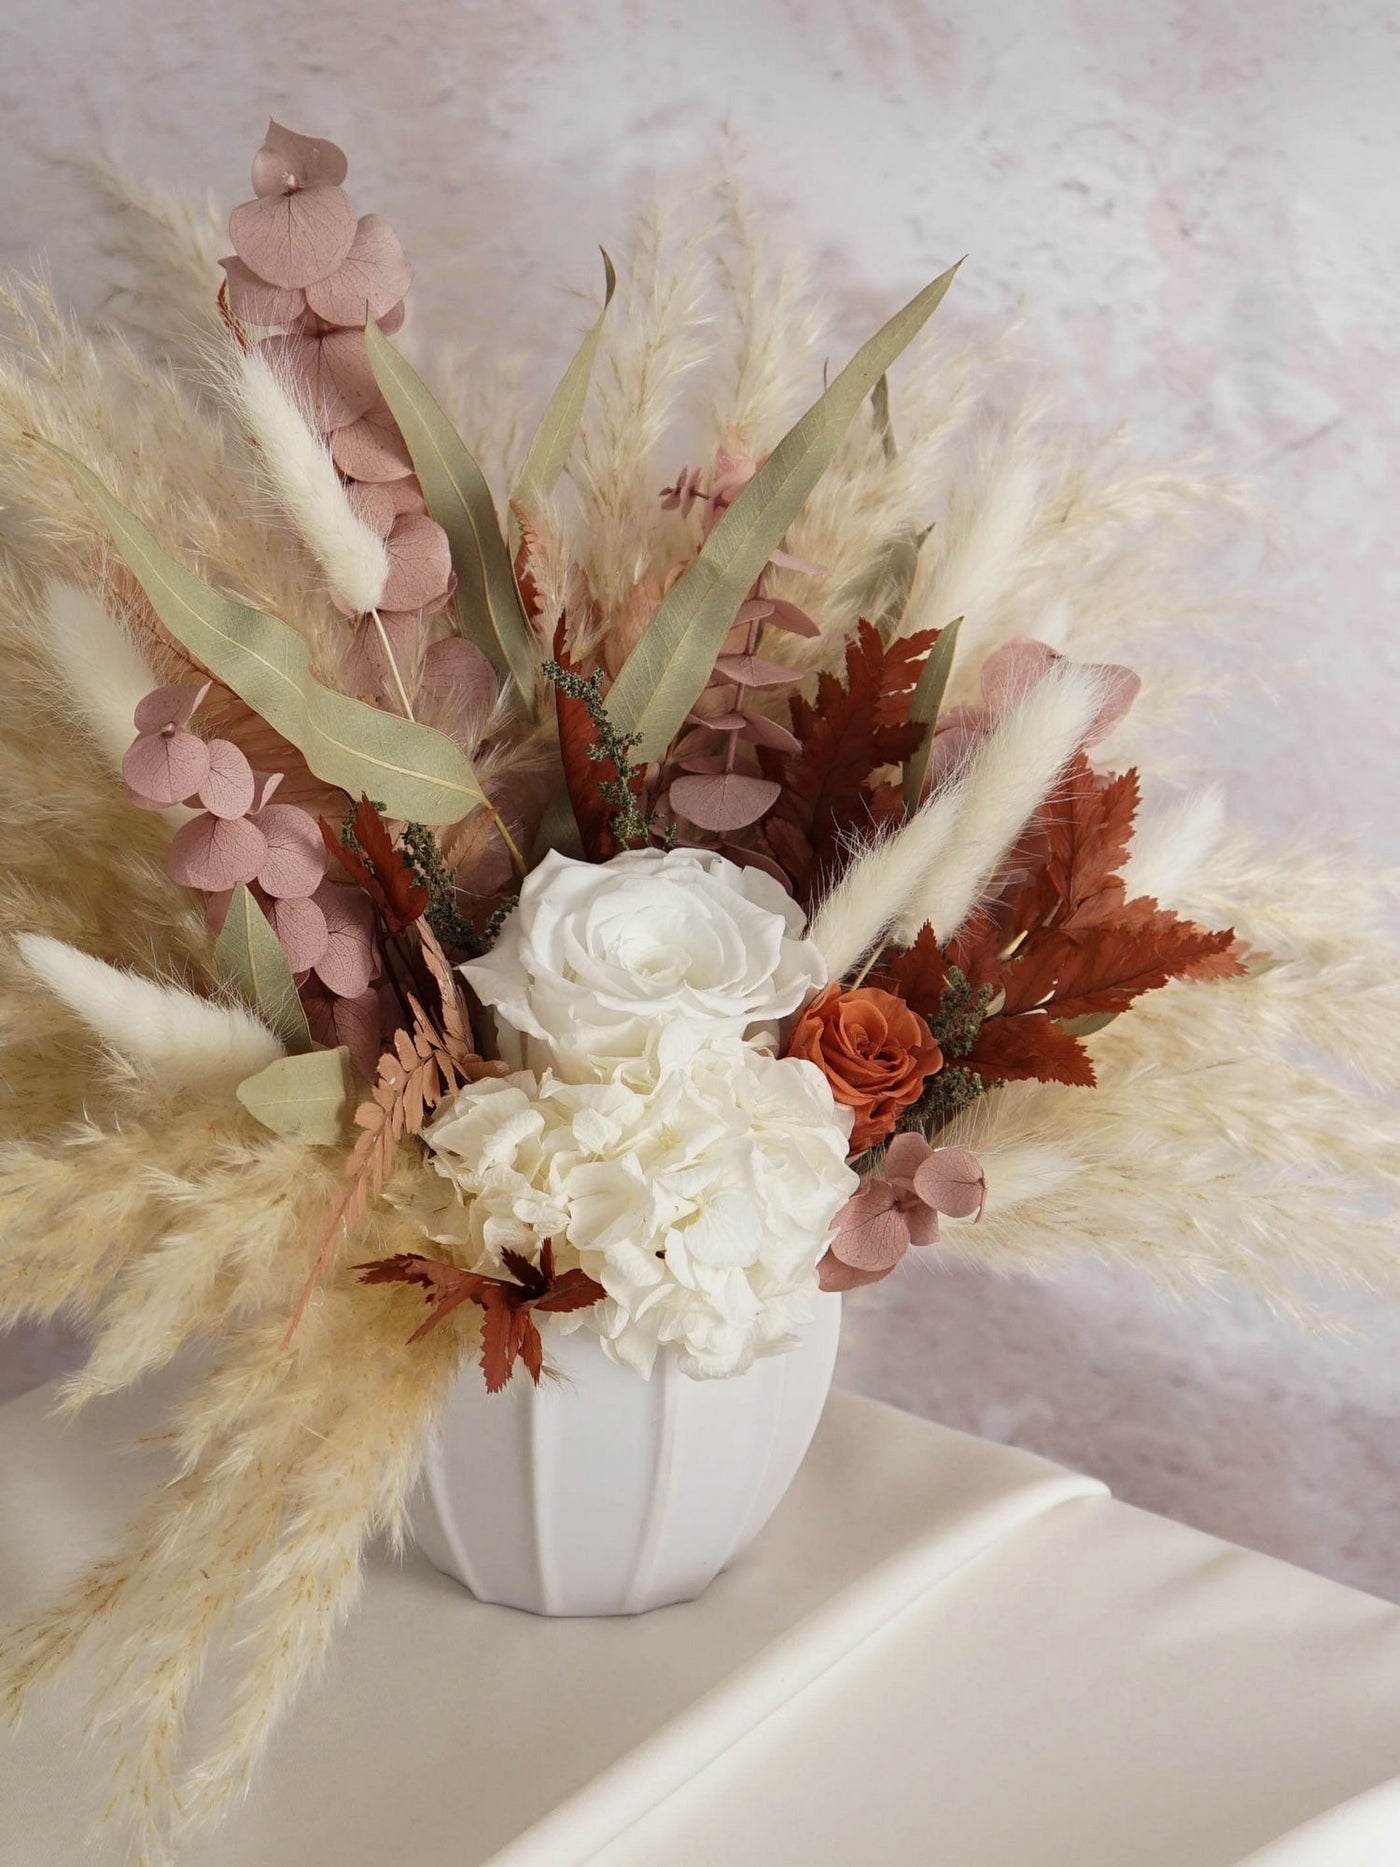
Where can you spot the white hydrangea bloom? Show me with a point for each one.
(702, 1205)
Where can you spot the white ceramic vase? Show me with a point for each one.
(606, 1494)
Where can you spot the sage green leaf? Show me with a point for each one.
(488, 603)
(924, 704)
(558, 830)
(665, 672)
(309, 1098)
(413, 771)
(880, 408)
(249, 957)
(559, 425)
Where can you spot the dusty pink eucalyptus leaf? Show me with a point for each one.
(784, 560)
(169, 706)
(724, 801)
(348, 964)
(420, 562)
(725, 723)
(765, 732)
(756, 859)
(265, 783)
(701, 761)
(371, 448)
(288, 161)
(369, 282)
(215, 853)
(755, 671)
(254, 301)
(331, 374)
(871, 1234)
(292, 240)
(355, 1022)
(229, 786)
(832, 1274)
(372, 505)
(294, 859)
(457, 688)
(364, 668)
(1013, 669)
(775, 612)
(301, 927)
(393, 318)
(164, 768)
(951, 1181)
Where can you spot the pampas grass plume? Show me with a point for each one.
(102, 669)
(301, 469)
(878, 885)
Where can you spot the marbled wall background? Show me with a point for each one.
(1195, 205)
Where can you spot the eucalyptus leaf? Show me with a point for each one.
(1086, 1026)
(558, 830)
(880, 408)
(665, 672)
(415, 772)
(924, 705)
(309, 1098)
(488, 601)
(559, 425)
(249, 957)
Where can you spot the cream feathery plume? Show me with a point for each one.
(102, 669)
(1005, 782)
(300, 467)
(162, 1027)
(1172, 844)
(879, 883)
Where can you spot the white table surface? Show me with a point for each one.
(941, 1651)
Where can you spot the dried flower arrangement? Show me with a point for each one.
(642, 912)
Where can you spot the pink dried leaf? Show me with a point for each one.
(330, 374)
(164, 768)
(254, 301)
(169, 706)
(292, 240)
(756, 859)
(420, 562)
(952, 1182)
(393, 318)
(755, 671)
(784, 560)
(214, 853)
(724, 801)
(355, 1022)
(229, 786)
(364, 667)
(698, 761)
(288, 161)
(372, 505)
(370, 281)
(294, 857)
(348, 963)
(264, 784)
(1010, 671)
(794, 620)
(457, 688)
(833, 1274)
(871, 1232)
(765, 732)
(371, 448)
(301, 927)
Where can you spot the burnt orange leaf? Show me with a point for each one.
(1031, 1046)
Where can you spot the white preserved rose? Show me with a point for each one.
(702, 1206)
(623, 969)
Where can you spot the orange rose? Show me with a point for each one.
(873, 1050)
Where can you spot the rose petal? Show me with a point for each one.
(755, 671)
(287, 161)
(372, 448)
(216, 852)
(726, 801)
(229, 787)
(165, 767)
(255, 301)
(331, 374)
(347, 965)
(951, 1180)
(420, 562)
(295, 856)
(295, 239)
(371, 279)
(169, 706)
(301, 927)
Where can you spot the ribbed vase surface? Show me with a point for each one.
(602, 1493)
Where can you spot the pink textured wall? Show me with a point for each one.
(1195, 203)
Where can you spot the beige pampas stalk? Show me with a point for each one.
(182, 1038)
(103, 670)
(299, 464)
(877, 887)
(1172, 844)
(1005, 782)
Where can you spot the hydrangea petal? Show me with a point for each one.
(214, 853)
(370, 281)
(289, 161)
(294, 239)
(166, 767)
(229, 784)
(294, 857)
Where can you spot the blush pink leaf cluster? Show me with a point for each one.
(900, 1208)
(307, 275)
